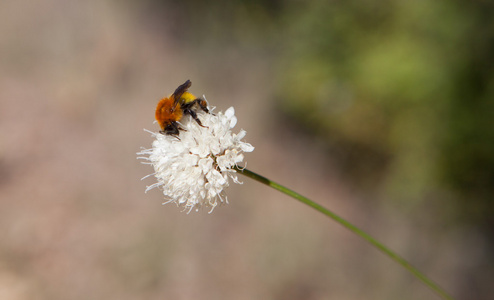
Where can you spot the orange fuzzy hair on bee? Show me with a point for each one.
(168, 111)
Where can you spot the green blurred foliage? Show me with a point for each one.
(400, 92)
(409, 81)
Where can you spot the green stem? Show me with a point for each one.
(400, 260)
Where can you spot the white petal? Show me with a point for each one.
(193, 171)
(233, 122)
(230, 112)
(246, 147)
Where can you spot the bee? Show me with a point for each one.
(172, 109)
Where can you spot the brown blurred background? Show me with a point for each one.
(379, 110)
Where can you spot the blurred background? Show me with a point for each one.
(381, 111)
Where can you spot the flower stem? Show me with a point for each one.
(398, 259)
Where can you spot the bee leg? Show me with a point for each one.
(171, 129)
(200, 102)
(170, 134)
(194, 116)
(203, 105)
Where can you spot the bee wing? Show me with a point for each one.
(181, 90)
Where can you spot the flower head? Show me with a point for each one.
(194, 169)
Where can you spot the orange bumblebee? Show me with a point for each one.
(172, 109)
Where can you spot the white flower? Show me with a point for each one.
(194, 170)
